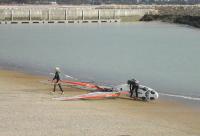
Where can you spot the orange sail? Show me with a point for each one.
(91, 96)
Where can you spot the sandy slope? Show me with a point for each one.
(26, 109)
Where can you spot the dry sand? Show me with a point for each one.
(27, 109)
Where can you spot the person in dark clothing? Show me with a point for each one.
(56, 80)
(136, 87)
(133, 85)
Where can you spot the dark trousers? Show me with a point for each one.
(132, 88)
(136, 90)
(54, 89)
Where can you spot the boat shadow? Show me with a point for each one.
(128, 98)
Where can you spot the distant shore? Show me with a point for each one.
(27, 108)
(178, 19)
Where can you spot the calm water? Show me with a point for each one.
(163, 56)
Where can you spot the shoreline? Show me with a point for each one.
(27, 108)
(180, 98)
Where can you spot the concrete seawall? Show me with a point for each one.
(64, 13)
(89, 14)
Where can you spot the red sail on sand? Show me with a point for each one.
(90, 96)
(104, 92)
(77, 84)
(145, 93)
(81, 84)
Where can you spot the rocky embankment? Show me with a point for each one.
(181, 14)
(179, 19)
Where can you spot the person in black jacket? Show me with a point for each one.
(56, 80)
(136, 87)
(133, 85)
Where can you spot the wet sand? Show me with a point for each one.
(27, 109)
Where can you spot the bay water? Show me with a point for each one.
(163, 56)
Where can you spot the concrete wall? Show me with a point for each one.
(63, 12)
(69, 13)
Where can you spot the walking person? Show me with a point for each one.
(56, 80)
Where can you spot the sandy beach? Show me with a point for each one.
(27, 109)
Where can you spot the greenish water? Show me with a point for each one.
(162, 56)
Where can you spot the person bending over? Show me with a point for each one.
(133, 85)
(136, 87)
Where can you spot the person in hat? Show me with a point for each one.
(56, 80)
